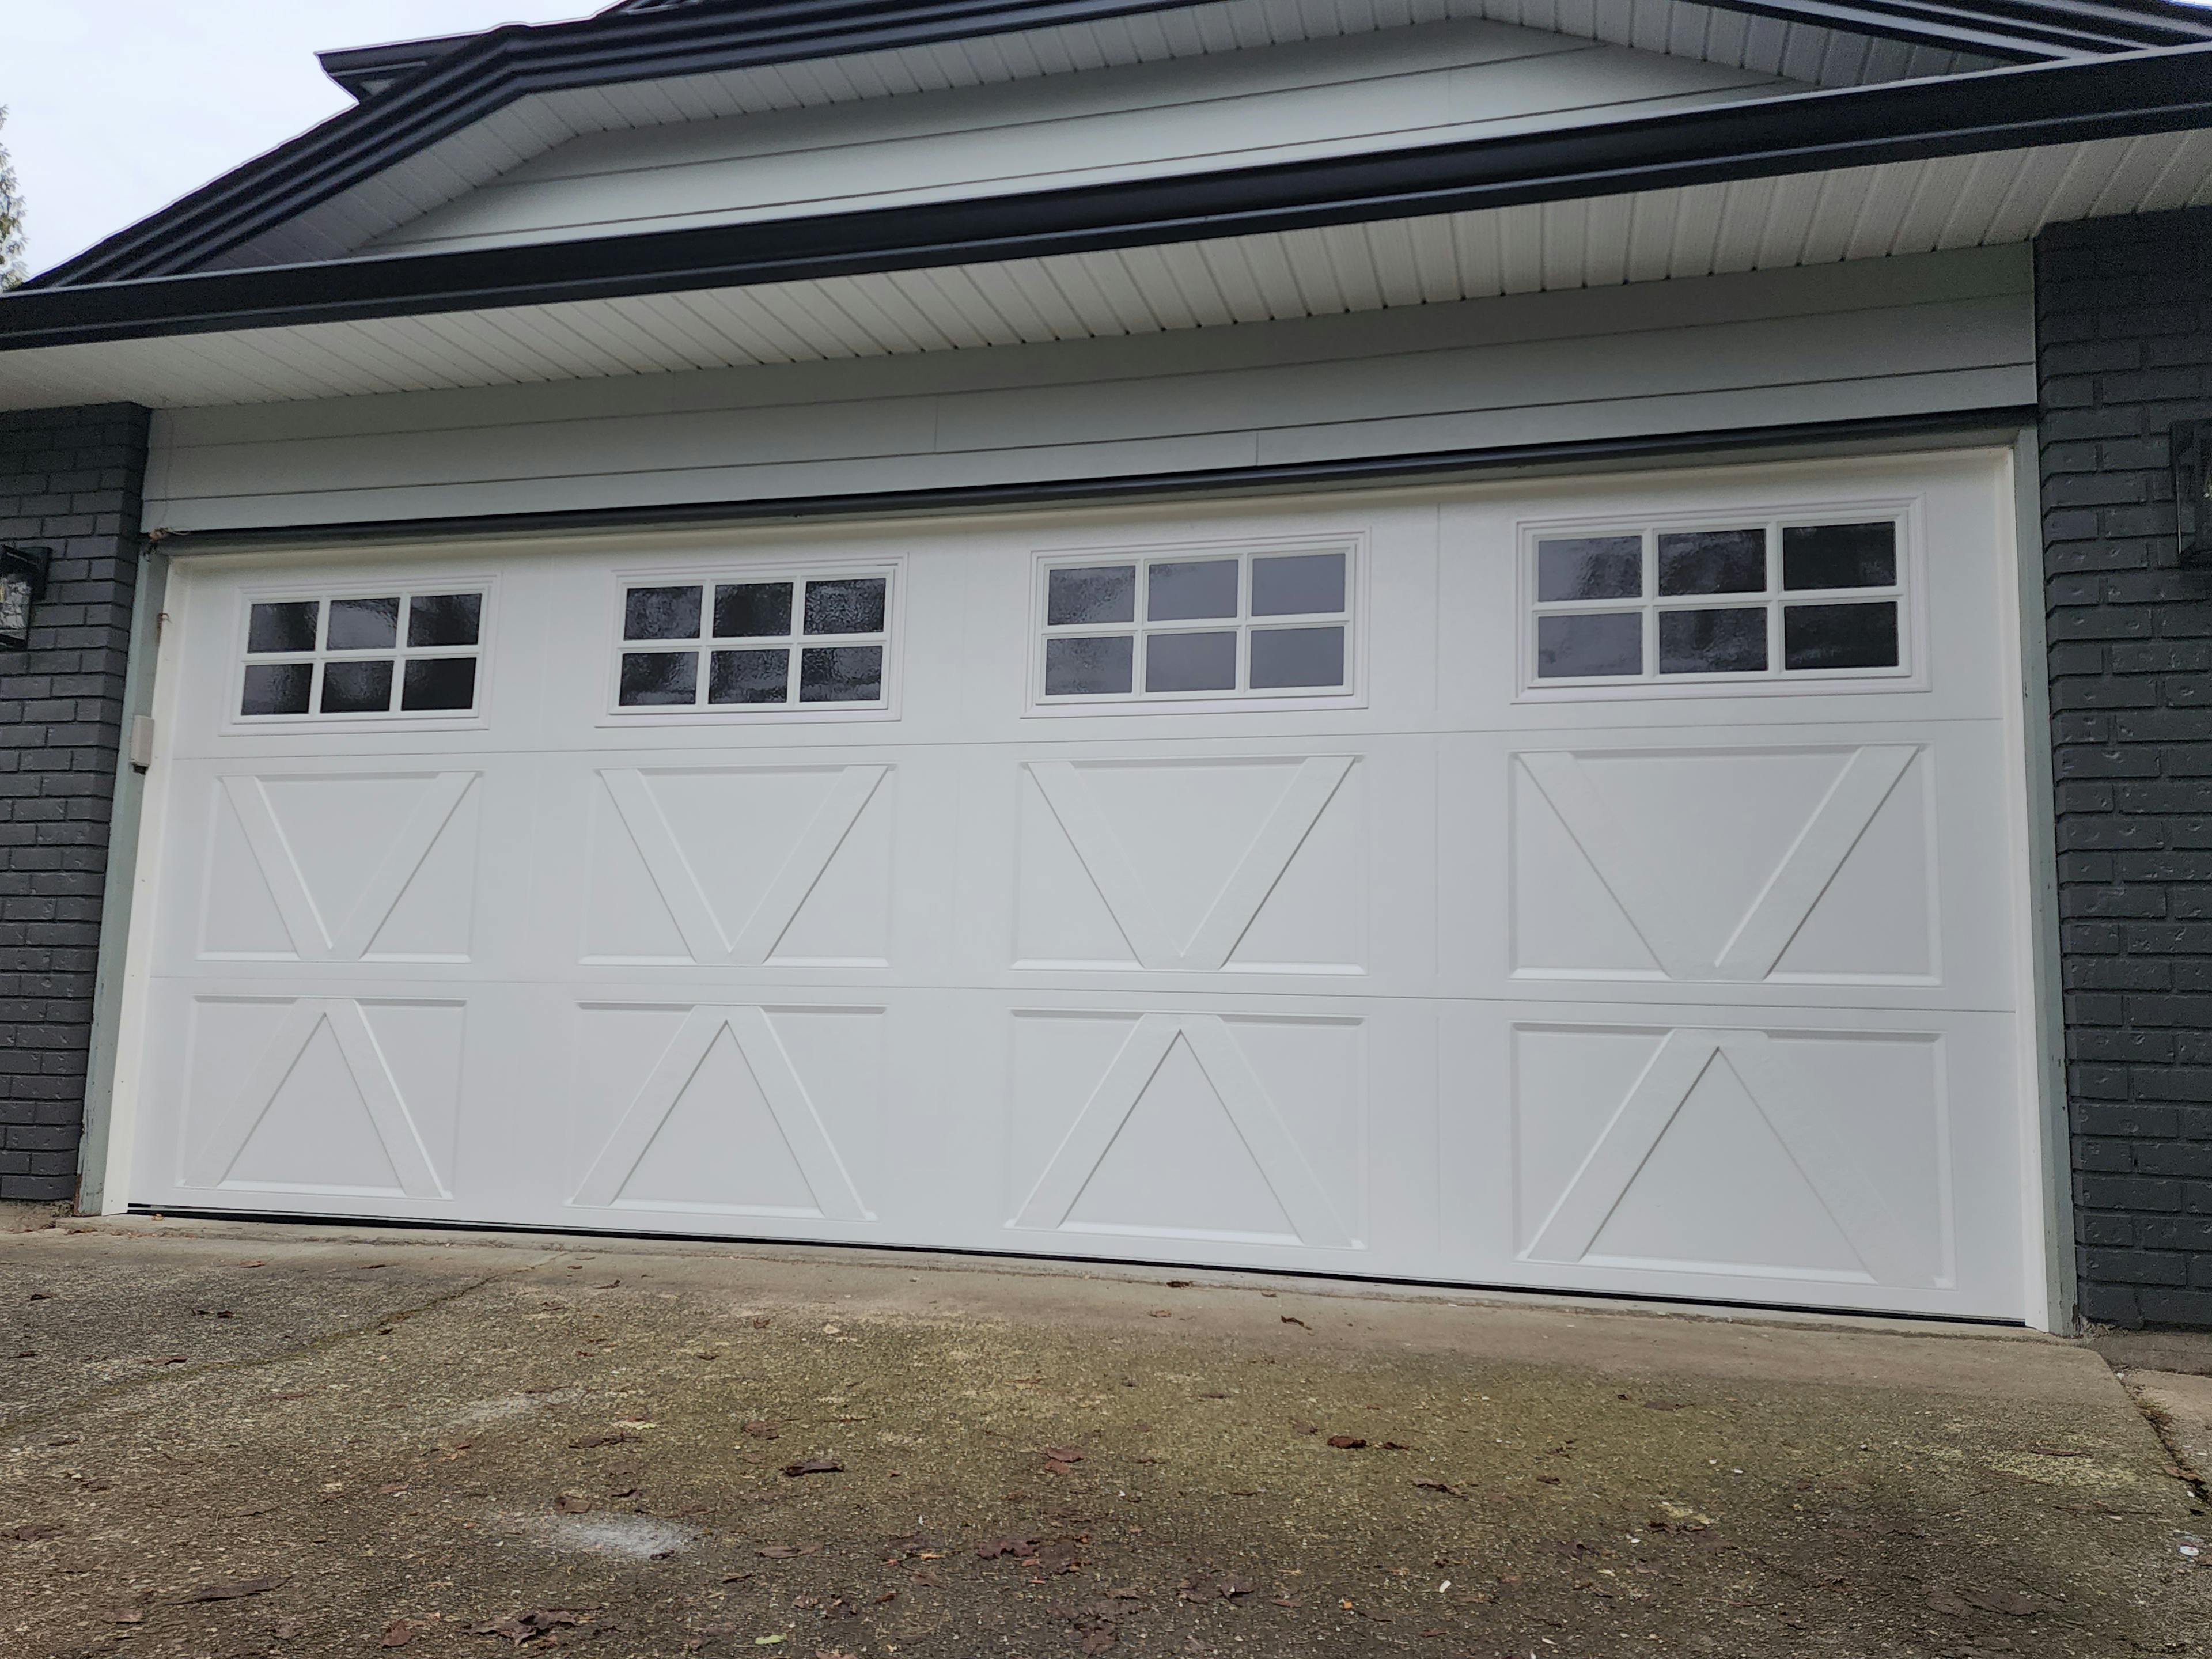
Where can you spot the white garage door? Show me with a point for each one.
(1611, 887)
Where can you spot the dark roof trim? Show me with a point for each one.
(1439, 466)
(493, 69)
(364, 71)
(2001, 109)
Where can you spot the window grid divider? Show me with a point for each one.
(1243, 624)
(1774, 598)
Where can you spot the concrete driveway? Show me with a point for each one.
(229, 1440)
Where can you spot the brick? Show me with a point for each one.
(70, 478)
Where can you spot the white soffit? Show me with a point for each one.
(534, 125)
(1900, 208)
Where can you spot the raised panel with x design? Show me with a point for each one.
(320, 935)
(750, 939)
(1259, 1124)
(1639, 863)
(786, 1096)
(365, 1063)
(1814, 1142)
(1153, 939)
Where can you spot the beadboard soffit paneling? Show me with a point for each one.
(1810, 219)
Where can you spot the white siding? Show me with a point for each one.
(534, 125)
(1387, 90)
(1942, 332)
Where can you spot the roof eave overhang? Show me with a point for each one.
(2008, 109)
(484, 75)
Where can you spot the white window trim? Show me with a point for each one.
(892, 569)
(1910, 593)
(475, 717)
(1352, 618)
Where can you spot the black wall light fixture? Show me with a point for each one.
(2192, 489)
(22, 581)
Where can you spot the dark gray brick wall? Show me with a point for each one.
(2124, 325)
(70, 480)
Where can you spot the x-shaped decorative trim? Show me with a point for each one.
(1283, 1167)
(1208, 950)
(680, 890)
(372, 1076)
(1637, 871)
(313, 937)
(1814, 1144)
(764, 1055)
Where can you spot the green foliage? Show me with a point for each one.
(11, 220)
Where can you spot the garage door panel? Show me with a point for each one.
(1841, 1159)
(1194, 864)
(326, 1096)
(740, 865)
(1868, 864)
(1709, 864)
(1661, 988)
(341, 866)
(1195, 1127)
(728, 1109)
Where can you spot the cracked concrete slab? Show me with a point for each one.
(654, 1447)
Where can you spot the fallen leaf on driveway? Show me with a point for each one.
(235, 1592)
(397, 1634)
(992, 1548)
(1292, 1319)
(814, 1466)
(1346, 1441)
(768, 1641)
(785, 1551)
(592, 1441)
(1060, 1454)
(1062, 1555)
(32, 1531)
(1444, 1486)
(571, 1503)
(133, 1617)
(528, 1626)
(761, 1431)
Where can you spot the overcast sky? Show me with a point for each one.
(117, 107)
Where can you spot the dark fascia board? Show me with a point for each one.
(1912, 120)
(364, 71)
(2000, 424)
(482, 76)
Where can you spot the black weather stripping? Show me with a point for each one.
(2002, 109)
(436, 94)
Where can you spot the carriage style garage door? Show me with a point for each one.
(1611, 885)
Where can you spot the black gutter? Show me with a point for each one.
(1440, 466)
(2000, 109)
(474, 80)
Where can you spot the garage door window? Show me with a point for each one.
(1719, 603)
(1197, 624)
(353, 656)
(759, 643)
